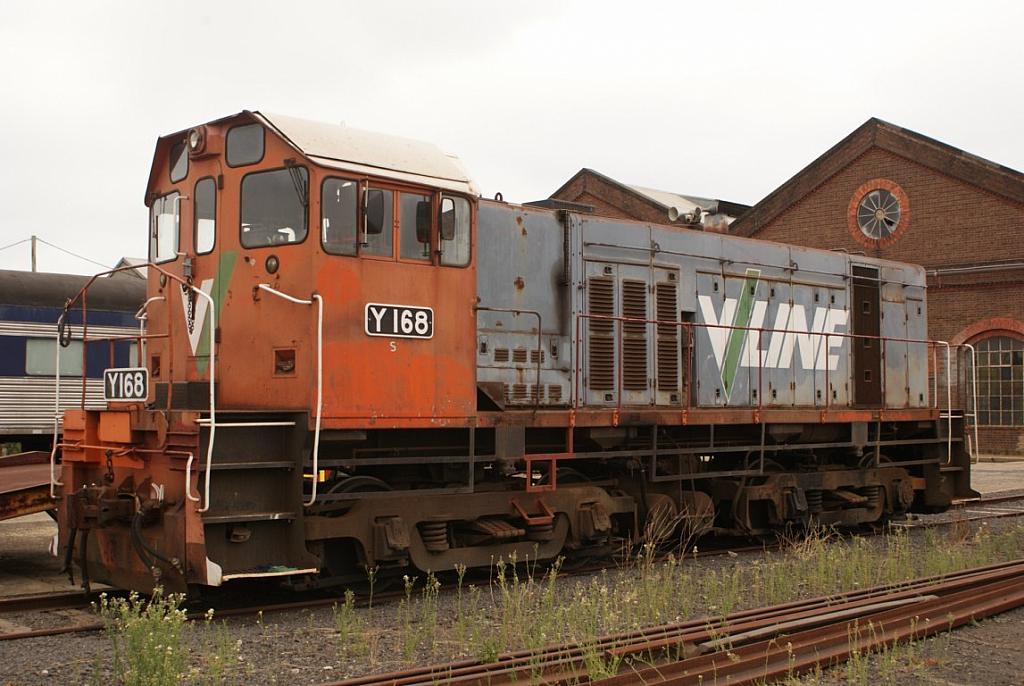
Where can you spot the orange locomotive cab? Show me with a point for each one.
(271, 206)
(324, 279)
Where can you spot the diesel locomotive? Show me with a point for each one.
(353, 361)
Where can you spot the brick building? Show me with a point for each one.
(893, 193)
(610, 198)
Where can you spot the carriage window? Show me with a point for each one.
(274, 207)
(205, 215)
(414, 227)
(41, 358)
(163, 228)
(454, 232)
(339, 221)
(179, 162)
(380, 221)
(245, 145)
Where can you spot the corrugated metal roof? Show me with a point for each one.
(344, 147)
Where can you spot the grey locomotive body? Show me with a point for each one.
(637, 314)
(737, 382)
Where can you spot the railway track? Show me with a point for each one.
(746, 647)
(997, 506)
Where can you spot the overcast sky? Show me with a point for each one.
(726, 100)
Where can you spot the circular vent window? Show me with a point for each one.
(879, 213)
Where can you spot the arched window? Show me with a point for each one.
(1000, 381)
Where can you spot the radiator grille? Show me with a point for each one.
(601, 343)
(501, 354)
(519, 355)
(519, 393)
(634, 336)
(668, 337)
(554, 393)
(536, 356)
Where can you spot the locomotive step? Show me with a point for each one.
(239, 517)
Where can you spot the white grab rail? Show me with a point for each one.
(319, 373)
(975, 451)
(188, 480)
(143, 316)
(56, 417)
(213, 404)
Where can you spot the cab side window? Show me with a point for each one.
(454, 231)
(414, 227)
(380, 220)
(164, 216)
(339, 220)
(205, 212)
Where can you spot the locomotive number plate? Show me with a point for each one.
(128, 383)
(398, 321)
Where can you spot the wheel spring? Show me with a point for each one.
(435, 536)
(874, 496)
(540, 532)
(814, 501)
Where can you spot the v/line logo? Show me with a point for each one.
(200, 306)
(734, 345)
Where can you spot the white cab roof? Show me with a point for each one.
(365, 152)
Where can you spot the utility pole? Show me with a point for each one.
(33, 253)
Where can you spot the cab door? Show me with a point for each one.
(399, 286)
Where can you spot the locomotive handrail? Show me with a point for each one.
(822, 334)
(315, 297)
(188, 480)
(56, 414)
(822, 344)
(974, 397)
(689, 326)
(63, 332)
(143, 316)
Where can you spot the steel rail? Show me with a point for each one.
(71, 600)
(825, 647)
(560, 664)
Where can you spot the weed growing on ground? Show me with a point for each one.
(529, 609)
(222, 659)
(371, 577)
(348, 627)
(147, 638)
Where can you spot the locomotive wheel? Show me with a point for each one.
(342, 564)
(354, 484)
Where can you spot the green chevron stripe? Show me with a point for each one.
(738, 336)
(220, 287)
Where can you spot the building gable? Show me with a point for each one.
(926, 152)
